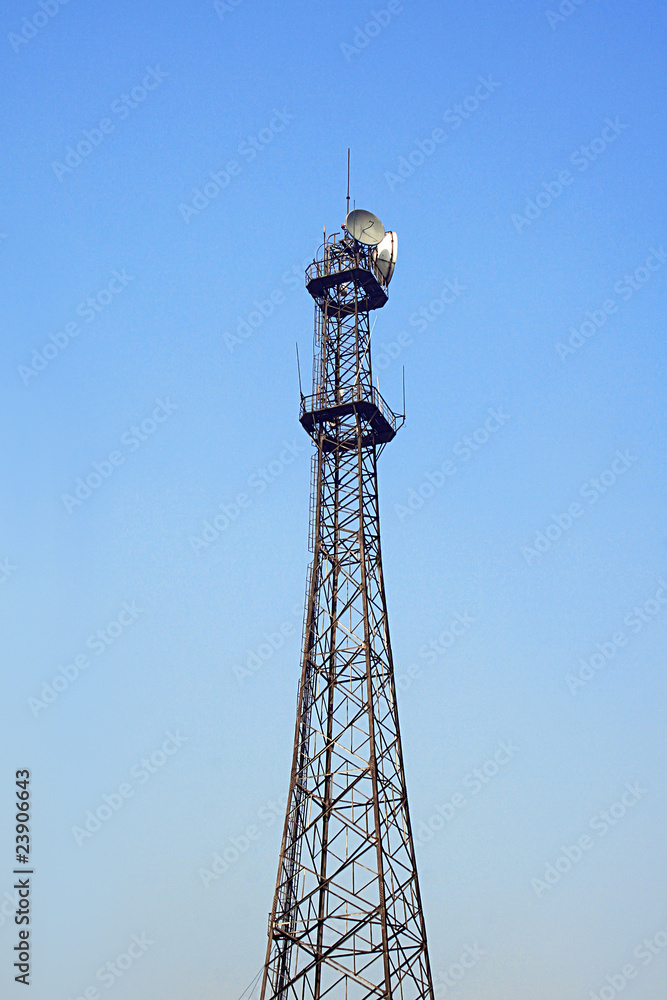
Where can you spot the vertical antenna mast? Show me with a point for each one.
(348, 182)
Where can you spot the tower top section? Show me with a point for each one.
(363, 256)
(348, 278)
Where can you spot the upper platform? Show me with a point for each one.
(346, 262)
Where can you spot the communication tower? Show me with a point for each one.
(347, 921)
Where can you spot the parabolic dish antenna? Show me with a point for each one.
(364, 227)
(384, 255)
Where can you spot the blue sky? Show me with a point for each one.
(518, 150)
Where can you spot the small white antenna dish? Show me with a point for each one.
(385, 254)
(364, 227)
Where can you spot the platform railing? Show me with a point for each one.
(345, 395)
(334, 257)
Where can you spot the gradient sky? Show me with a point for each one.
(296, 85)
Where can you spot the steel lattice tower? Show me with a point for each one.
(347, 920)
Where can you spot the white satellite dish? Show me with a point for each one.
(384, 255)
(364, 227)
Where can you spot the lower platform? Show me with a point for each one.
(381, 424)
